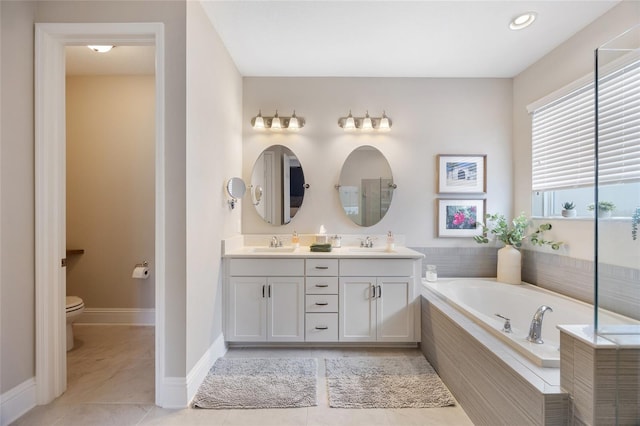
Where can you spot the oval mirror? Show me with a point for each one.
(277, 185)
(366, 186)
(236, 187)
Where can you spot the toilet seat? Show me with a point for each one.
(74, 303)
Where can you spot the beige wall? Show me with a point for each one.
(430, 116)
(214, 154)
(570, 61)
(111, 189)
(18, 233)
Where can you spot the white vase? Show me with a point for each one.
(509, 265)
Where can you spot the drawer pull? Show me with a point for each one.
(322, 285)
(322, 327)
(322, 303)
(322, 267)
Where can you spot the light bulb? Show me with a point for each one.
(350, 123)
(275, 122)
(293, 122)
(100, 48)
(258, 121)
(384, 125)
(366, 123)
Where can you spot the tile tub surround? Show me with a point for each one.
(494, 383)
(602, 377)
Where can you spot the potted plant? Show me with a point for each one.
(512, 235)
(604, 208)
(568, 209)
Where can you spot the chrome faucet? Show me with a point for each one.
(535, 330)
(367, 242)
(275, 242)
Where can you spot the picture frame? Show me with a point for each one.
(465, 174)
(460, 218)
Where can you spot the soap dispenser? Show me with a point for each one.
(391, 242)
(295, 240)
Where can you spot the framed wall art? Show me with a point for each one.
(462, 174)
(460, 218)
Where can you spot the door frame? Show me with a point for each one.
(50, 191)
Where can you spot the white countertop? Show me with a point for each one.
(303, 252)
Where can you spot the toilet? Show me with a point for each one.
(74, 308)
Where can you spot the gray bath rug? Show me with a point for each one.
(259, 383)
(385, 382)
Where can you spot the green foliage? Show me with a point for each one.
(604, 206)
(635, 220)
(515, 232)
(569, 205)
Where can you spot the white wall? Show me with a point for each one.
(430, 117)
(214, 154)
(111, 188)
(570, 61)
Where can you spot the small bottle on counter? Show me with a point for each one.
(432, 273)
(391, 242)
(336, 241)
(295, 240)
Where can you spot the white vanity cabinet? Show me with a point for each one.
(265, 300)
(376, 300)
(321, 300)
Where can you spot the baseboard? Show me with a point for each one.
(129, 316)
(17, 401)
(178, 392)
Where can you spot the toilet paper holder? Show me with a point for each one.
(144, 264)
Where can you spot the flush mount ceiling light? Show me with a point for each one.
(100, 48)
(276, 123)
(366, 123)
(523, 20)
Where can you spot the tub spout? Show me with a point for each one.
(535, 330)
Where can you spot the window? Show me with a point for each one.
(563, 144)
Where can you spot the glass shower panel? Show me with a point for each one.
(617, 254)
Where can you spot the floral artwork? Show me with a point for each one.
(460, 218)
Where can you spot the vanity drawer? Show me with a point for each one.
(322, 303)
(321, 328)
(376, 267)
(266, 267)
(322, 285)
(322, 267)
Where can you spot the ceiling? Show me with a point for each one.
(417, 38)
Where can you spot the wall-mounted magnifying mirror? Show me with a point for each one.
(366, 186)
(236, 189)
(277, 185)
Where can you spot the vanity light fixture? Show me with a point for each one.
(277, 123)
(366, 123)
(100, 48)
(523, 20)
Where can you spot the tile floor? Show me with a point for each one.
(111, 382)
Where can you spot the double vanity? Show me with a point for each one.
(351, 294)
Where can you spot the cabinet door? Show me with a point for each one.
(395, 322)
(285, 320)
(357, 309)
(247, 309)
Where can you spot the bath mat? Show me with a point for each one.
(385, 382)
(259, 383)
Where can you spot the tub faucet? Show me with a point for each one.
(535, 331)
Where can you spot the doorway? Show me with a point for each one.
(51, 40)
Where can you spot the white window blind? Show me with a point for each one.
(563, 142)
(563, 134)
(619, 126)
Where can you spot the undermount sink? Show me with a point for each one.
(367, 249)
(285, 249)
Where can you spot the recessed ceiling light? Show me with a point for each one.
(100, 48)
(523, 20)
